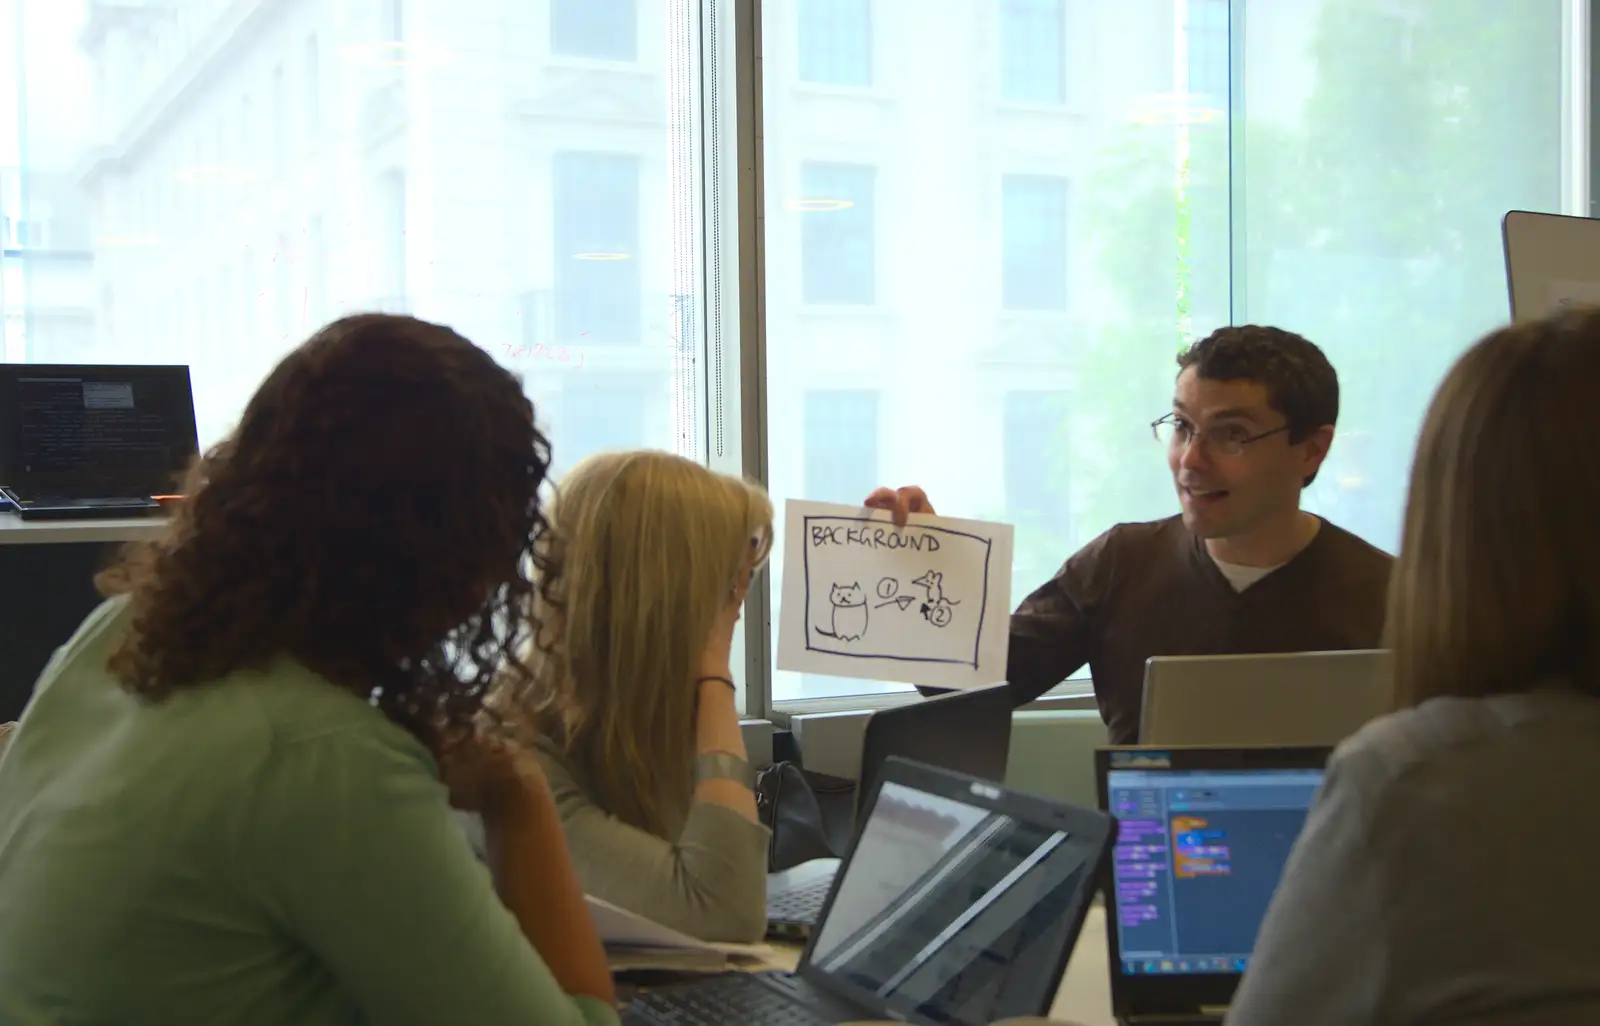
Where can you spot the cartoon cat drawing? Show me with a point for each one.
(849, 612)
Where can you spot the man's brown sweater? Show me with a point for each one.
(1143, 590)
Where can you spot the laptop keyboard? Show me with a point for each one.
(718, 1001)
(801, 905)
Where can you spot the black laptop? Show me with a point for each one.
(1203, 834)
(93, 440)
(965, 731)
(959, 904)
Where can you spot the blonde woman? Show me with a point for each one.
(639, 728)
(1446, 872)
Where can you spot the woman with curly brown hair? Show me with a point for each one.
(224, 802)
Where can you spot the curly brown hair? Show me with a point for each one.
(375, 516)
(1301, 384)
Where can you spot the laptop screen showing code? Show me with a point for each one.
(1198, 856)
(954, 913)
(125, 430)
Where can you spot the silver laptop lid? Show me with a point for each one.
(1295, 698)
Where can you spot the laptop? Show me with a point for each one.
(93, 440)
(965, 731)
(1294, 698)
(959, 904)
(1202, 838)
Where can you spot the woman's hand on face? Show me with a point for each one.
(717, 659)
(482, 773)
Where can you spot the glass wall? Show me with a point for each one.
(207, 182)
(988, 225)
(991, 229)
(1382, 142)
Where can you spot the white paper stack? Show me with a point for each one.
(634, 943)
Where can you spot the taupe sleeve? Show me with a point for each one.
(1326, 943)
(710, 883)
(1050, 630)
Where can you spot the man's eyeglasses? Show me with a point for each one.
(1221, 439)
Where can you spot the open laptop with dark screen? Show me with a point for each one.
(958, 905)
(965, 731)
(1203, 835)
(93, 439)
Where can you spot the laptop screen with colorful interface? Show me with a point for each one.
(1198, 856)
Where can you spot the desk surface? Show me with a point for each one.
(16, 531)
(1085, 995)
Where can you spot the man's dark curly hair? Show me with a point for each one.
(375, 516)
(1301, 384)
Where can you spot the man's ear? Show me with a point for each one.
(1314, 449)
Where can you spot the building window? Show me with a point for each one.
(603, 29)
(600, 419)
(1033, 230)
(391, 243)
(841, 445)
(1209, 70)
(391, 20)
(836, 42)
(312, 117)
(1032, 51)
(1036, 479)
(280, 120)
(597, 282)
(314, 299)
(836, 233)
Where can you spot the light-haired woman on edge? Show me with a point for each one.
(1446, 872)
(635, 706)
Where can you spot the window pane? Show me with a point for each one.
(1038, 471)
(1208, 54)
(841, 439)
(1034, 242)
(1383, 144)
(1007, 259)
(836, 42)
(393, 155)
(841, 465)
(596, 209)
(839, 244)
(603, 29)
(1032, 51)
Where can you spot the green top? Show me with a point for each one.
(268, 849)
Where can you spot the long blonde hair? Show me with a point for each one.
(652, 549)
(1497, 587)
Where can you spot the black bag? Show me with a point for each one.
(810, 814)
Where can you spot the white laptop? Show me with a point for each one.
(1294, 698)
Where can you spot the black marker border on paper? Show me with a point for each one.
(983, 601)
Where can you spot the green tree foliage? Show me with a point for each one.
(1366, 217)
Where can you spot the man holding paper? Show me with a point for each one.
(1242, 568)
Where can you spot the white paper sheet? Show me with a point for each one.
(929, 603)
(1573, 293)
(634, 942)
(620, 928)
